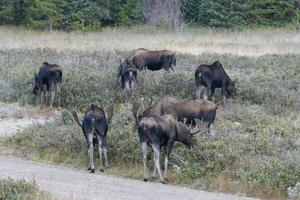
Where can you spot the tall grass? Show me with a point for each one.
(247, 42)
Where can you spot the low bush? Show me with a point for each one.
(91, 77)
(21, 190)
(254, 146)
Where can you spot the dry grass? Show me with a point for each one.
(248, 42)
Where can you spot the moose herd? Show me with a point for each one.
(168, 120)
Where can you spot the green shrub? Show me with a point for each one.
(20, 189)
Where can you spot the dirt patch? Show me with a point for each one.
(14, 118)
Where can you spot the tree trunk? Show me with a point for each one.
(163, 13)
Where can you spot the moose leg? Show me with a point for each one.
(168, 151)
(224, 93)
(144, 152)
(154, 172)
(208, 93)
(105, 152)
(127, 91)
(198, 92)
(100, 150)
(205, 94)
(52, 91)
(171, 68)
(90, 152)
(58, 90)
(156, 151)
(41, 98)
(212, 92)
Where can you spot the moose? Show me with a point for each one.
(48, 80)
(183, 110)
(95, 126)
(161, 133)
(128, 75)
(211, 77)
(152, 60)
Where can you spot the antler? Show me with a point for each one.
(137, 107)
(201, 127)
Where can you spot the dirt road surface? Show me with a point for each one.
(69, 183)
(15, 118)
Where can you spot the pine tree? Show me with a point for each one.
(7, 11)
(44, 14)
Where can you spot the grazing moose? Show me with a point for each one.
(152, 60)
(48, 80)
(214, 76)
(161, 133)
(94, 126)
(183, 109)
(128, 74)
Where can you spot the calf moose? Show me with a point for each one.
(161, 133)
(128, 74)
(49, 76)
(94, 126)
(152, 60)
(214, 76)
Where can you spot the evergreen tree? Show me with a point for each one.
(44, 14)
(19, 12)
(7, 11)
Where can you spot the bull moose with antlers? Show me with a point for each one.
(161, 133)
(183, 110)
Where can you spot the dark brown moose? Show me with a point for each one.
(161, 133)
(48, 80)
(211, 77)
(94, 126)
(128, 75)
(152, 60)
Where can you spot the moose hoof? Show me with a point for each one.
(101, 170)
(163, 182)
(92, 171)
(145, 180)
(166, 179)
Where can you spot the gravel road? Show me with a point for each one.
(68, 183)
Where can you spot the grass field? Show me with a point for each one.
(195, 41)
(256, 146)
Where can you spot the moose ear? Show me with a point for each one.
(109, 113)
(120, 61)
